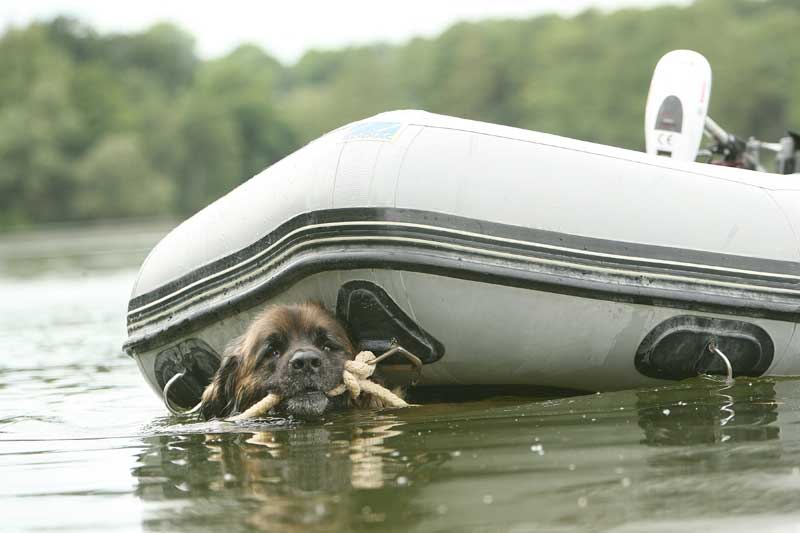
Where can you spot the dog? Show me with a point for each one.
(296, 351)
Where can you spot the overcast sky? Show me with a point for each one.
(286, 29)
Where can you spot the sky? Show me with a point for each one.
(287, 29)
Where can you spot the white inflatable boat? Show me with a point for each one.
(496, 255)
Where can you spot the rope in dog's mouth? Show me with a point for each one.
(355, 380)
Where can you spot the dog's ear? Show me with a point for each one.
(219, 398)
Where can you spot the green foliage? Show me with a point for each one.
(121, 125)
(115, 179)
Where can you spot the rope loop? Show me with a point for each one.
(355, 381)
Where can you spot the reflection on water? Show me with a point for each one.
(281, 480)
(709, 412)
(85, 445)
(607, 460)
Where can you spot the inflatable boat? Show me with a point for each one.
(496, 255)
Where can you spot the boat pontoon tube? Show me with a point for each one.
(498, 255)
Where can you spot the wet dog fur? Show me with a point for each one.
(295, 351)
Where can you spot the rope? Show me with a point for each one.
(355, 380)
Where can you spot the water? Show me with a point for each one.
(84, 445)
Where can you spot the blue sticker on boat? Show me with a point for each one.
(373, 131)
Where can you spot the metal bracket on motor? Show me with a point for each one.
(736, 151)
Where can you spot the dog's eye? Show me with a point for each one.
(325, 342)
(268, 351)
(329, 346)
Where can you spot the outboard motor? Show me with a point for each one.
(676, 118)
(677, 105)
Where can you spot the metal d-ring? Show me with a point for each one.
(415, 361)
(712, 347)
(165, 395)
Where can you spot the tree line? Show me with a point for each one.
(99, 126)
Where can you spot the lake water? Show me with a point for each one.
(85, 445)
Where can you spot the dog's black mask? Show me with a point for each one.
(297, 352)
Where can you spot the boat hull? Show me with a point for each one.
(524, 258)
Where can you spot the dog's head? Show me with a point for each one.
(296, 351)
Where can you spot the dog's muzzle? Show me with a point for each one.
(310, 404)
(305, 371)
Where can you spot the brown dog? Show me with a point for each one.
(295, 351)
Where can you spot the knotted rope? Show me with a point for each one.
(355, 380)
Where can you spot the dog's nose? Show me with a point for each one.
(305, 361)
